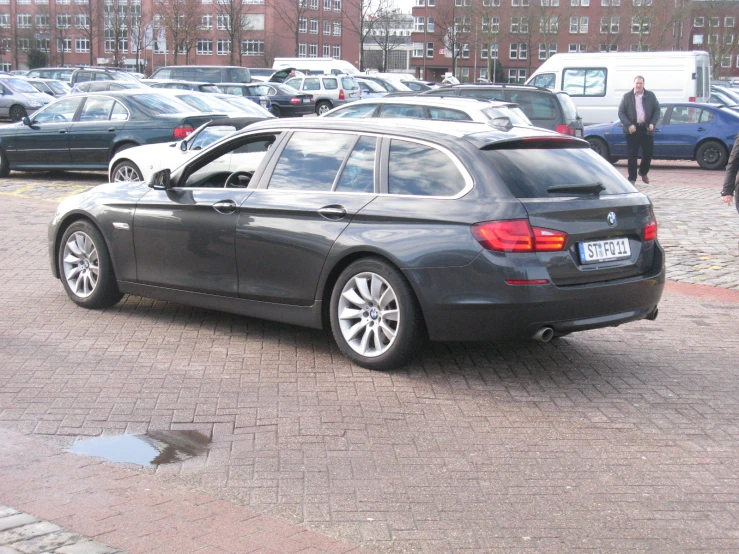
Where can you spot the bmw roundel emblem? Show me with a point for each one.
(611, 219)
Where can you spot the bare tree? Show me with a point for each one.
(652, 22)
(61, 27)
(236, 18)
(384, 34)
(453, 27)
(140, 20)
(362, 18)
(87, 15)
(719, 41)
(181, 22)
(270, 50)
(291, 17)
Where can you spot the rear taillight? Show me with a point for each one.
(181, 131)
(565, 130)
(650, 230)
(691, 99)
(295, 100)
(517, 235)
(341, 94)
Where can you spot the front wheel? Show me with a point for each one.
(375, 319)
(599, 146)
(323, 107)
(4, 167)
(711, 155)
(126, 171)
(85, 267)
(17, 113)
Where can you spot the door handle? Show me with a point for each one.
(112, 129)
(62, 132)
(701, 128)
(333, 212)
(225, 207)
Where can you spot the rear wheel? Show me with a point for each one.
(17, 112)
(323, 106)
(375, 318)
(126, 171)
(599, 146)
(4, 167)
(85, 267)
(276, 111)
(711, 155)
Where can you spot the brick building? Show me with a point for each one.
(147, 34)
(473, 38)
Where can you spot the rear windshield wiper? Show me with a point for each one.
(590, 188)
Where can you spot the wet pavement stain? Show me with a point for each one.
(151, 449)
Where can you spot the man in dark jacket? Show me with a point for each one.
(732, 168)
(639, 113)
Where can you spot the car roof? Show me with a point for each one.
(489, 86)
(445, 101)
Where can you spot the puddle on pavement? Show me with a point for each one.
(152, 449)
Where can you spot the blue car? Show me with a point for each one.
(689, 131)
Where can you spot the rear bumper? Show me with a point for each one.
(475, 303)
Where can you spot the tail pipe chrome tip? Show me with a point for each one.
(653, 314)
(545, 334)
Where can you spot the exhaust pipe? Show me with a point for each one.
(545, 334)
(653, 314)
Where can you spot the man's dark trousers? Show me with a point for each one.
(644, 140)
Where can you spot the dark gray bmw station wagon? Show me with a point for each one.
(385, 232)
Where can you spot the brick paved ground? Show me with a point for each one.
(614, 440)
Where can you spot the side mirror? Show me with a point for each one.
(26, 121)
(160, 180)
(183, 145)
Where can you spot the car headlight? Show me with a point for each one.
(34, 104)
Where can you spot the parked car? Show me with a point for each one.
(246, 106)
(243, 90)
(416, 85)
(370, 89)
(691, 131)
(545, 108)
(284, 100)
(84, 131)
(387, 85)
(85, 74)
(448, 109)
(732, 93)
(138, 163)
(58, 73)
(186, 85)
(18, 72)
(203, 102)
(328, 91)
(102, 86)
(204, 73)
(722, 97)
(383, 233)
(19, 98)
(52, 87)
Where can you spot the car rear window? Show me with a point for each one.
(158, 103)
(349, 83)
(535, 104)
(568, 106)
(210, 89)
(529, 172)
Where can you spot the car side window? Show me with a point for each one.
(402, 110)
(312, 84)
(545, 80)
(295, 83)
(486, 94)
(331, 84)
(685, 114)
(448, 115)
(705, 117)
(103, 77)
(311, 161)
(359, 172)
(584, 82)
(59, 112)
(119, 113)
(96, 109)
(420, 170)
(82, 76)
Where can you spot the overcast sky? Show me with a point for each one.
(405, 5)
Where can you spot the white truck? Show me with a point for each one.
(312, 66)
(596, 82)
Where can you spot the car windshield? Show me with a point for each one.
(159, 103)
(374, 87)
(59, 87)
(244, 105)
(19, 85)
(209, 135)
(206, 104)
(529, 172)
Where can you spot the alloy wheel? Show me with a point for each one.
(125, 173)
(81, 264)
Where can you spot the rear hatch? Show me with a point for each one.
(566, 187)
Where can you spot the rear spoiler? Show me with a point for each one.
(537, 143)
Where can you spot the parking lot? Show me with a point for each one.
(617, 440)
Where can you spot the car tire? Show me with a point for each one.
(17, 112)
(600, 147)
(375, 318)
(614, 160)
(126, 171)
(711, 155)
(4, 166)
(322, 107)
(85, 268)
(276, 111)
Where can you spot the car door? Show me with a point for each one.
(308, 195)
(687, 125)
(46, 140)
(100, 120)
(6, 101)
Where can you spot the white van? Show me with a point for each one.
(316, 65)
(597, 82)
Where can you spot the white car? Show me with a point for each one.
(433, 107)
(140, 162)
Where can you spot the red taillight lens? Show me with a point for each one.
(517, 236)
(691, 99)
(296, 100)
(650, 230)
(181, 131)
(565, 130)
(341, 94)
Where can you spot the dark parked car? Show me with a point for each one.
(285, 101)
(84, 131)
(691, 131)
(382, 233)
(187, 85)
(85, 74)
(204, 73)
(545, 108)
(102, 86)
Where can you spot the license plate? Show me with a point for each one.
(604, 250)
(263, 103)
(578, 133)
(306, 100)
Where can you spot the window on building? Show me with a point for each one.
(326, 50)
(728, 39)
(65, 45)
(337, 28)
(42, 20)
(4, 22)
(430, 25)
(223, 22)
(512, 73)
(697, 39)
(553, 3)
(206, 22)
(698, 22)
(313, 4)
(430, 50)
(204, 47)
(729, 21)
(417, 51)
(63, 21)
(326, 5)
(714, 22)
(418, 24)
(81, 21)
(313, 26)
(608, 48)
(337, 5)
(223, 47)
(639, 25)
(337, 52)
(303, 25)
